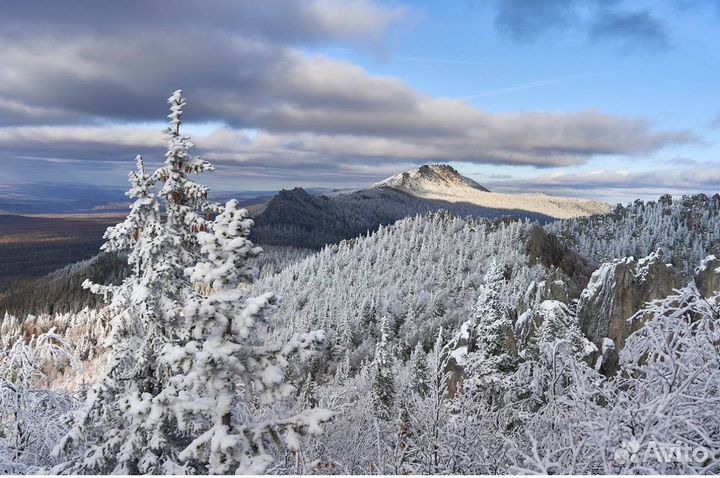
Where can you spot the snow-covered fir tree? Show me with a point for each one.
(419, 371)
(542, 326)
(224, 363)
(383, 383)
(179, 357)
(492, 353)
(109, 432)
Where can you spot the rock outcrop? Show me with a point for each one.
(546, 249)
(617, 290)
(707, 276)
(556, 287)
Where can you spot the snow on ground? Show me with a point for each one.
(442, 182)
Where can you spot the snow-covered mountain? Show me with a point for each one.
(443, 182)
(296, 218)
(433, 177)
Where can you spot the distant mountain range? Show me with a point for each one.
(56, 198)
(76, 216)
(298, 218)
(437, 182)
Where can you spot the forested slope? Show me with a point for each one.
(686, 230)
(422, 273)
(299, 219)
(414, 314)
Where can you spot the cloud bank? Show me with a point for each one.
(623, 185)
(80, 80)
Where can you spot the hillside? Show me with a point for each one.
(299, 219)
(442, 182)
(416, 294)
(33, 246)
(686, 230)
(422, 273)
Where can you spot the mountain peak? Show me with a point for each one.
(442, 182)
(429, 177)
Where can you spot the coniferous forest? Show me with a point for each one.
(439, 341)
(359, 237)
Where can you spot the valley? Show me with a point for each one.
(36, 245)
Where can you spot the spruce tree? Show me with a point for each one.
(342, 372)
(491, 331)
(419, 372)
(438, 308)
(223, 351)
(182, 343)
(308, 393)
(383, 387)
(109, 433)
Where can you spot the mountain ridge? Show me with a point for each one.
(296, 218)
(443, 182)
(429, 174)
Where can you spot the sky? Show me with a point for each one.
(607, 99)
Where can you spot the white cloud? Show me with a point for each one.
(623, 185)
(242, 64)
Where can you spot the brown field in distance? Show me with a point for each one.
(38, 244)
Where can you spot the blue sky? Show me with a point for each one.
(455, 50)
(606, 99)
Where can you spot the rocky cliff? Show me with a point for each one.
(707, 276)
(617, 290)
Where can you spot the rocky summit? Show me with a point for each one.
(442, 182)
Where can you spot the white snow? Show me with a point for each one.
(441, 182)
(522, 325)
(644, 264)
(597, 279)
(460, 355)
(705, 263)
(607, 345)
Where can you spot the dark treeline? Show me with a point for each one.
(61, 291)
(296, 218)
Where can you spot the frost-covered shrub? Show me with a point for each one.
(30, 413)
